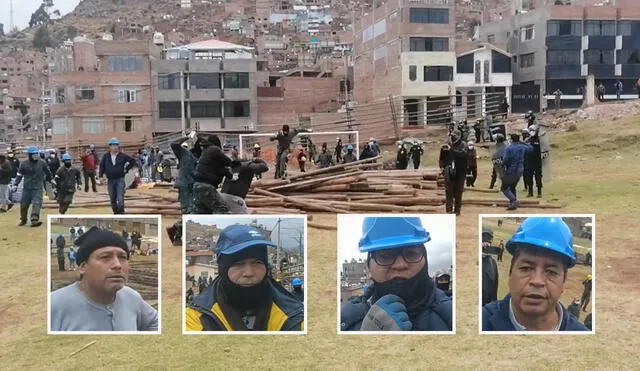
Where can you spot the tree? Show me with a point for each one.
(43, 14)
(42, 39)
(1, 29)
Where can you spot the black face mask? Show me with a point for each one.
(67, 164)
(444, 286)
(414, 291)
(245, 298)
(33, 158)
(297, 288)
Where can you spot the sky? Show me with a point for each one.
(22, 10)
(291, 228)
(439, 250)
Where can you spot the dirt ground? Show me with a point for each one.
(596, 171)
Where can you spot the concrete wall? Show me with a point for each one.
(419, 87)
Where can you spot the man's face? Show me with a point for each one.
(536, 283)
(106, 270)
(114, 148)
(379, 271)
(247, 272)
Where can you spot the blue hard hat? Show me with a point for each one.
(296, 282)
(32, 150)
(236, 238)
(66, 157)
(365, 287)
(114, 142)
(349, 147)
(379, 233)
(550, 233)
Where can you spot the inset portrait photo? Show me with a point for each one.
(396, 274)
(104, 274)
(537, 274)
(244, 274)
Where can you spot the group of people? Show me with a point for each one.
(413, 154)
(153, 164)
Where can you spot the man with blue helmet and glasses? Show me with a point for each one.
(115, 165)
(349, 156)
(67, 180)
(243, 297)
(34, 172)
(298, 292)
(402, 297)
(542, 250)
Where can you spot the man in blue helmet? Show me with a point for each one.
(243, 297)
(542, 250)
(34, 172)
(115, 165)
(349, 156)
(402, 297)
(298, 292)
(67, 180)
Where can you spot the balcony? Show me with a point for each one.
(564, 42)
(564, 71)
(603, 71)
(630, 42)
(631, 71)
(602, 42)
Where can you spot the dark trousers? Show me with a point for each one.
(638, 88)
(586, 296)
(416, 162)
(454, 189)
(301, 165)
(61, 264)
(33, 198)
(478, 135)
(494, 177)
(508, 188)
(116, 188)
(90, 175)
(185, 197)
(207, 200)
(281, 164)
(64, 201)
(471, 180)
(531, 173)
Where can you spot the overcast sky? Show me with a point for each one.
(291, 228)
(439, 249)
(22, 10)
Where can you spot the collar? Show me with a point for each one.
(519, 327)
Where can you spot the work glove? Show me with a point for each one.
(387, 314)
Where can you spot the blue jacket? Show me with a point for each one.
(123, 164)
(437, 315)
(495, 317)
(513, 157)
(205, 313)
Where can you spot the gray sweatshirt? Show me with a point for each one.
(71, 310)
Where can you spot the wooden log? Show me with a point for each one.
(300, 204)
(522, 202)
(298, 185)
(480, 190)
(264, 202)
(265, 183)
(333, 168)
(410, 201)
(322, 226)
(274, 210)
(506, 203)
(321, 196)
(361, 206)
(423, 209)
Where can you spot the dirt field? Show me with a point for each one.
(603, 180)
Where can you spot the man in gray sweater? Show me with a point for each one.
(100, 301)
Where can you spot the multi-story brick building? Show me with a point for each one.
(558, 46)
(112, 98)
(218, 88)
(405, 48)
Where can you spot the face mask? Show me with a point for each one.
(67, 164)
(33, 158)
(53, 156)
(414, 291)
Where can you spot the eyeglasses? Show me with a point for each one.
(385, 258)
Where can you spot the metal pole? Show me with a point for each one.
(279, 242)
(44, 119)
(182, 114)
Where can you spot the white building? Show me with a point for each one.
(483, 78)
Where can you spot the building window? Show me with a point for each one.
(236, 108)
(62, 126)
(491, 38)
(487, 69)
(527, 60)
(428, 44)
(500, 63)
(169, 82)
(205, 109)
(438, 73)
(429, 15)
(367, 34)
(379, 28)
(127, 63)
(599, 57)
(564, 28)
(413, 73)
(563, 57)
(60, 96)
(236, 80)
(527, 33)
(128, 124)
(93, 125)
(380, 52)
(465, 64)
(627, 56)
(600, 28)
(204, 81)
(127, 95)
(628, 28)
(85, 93)
(478, 71)
(170, 110)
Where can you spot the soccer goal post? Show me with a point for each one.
(330, 137)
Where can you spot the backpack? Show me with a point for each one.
(489, 280)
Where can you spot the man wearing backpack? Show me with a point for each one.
(403, 297)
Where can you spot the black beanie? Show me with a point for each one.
(258, 252)
(96, 238)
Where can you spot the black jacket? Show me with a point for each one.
(455, 158)
(67, 179)
(123, 164)
(15, 164)
(241, 177)
(5, 172)
(211, 167)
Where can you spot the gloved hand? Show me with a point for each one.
(14, 188)
(79, 188)
(387, 314)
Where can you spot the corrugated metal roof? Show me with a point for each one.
(214, 44)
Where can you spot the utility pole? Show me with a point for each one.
(10, 16)
(44, 116)
(182, 115)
